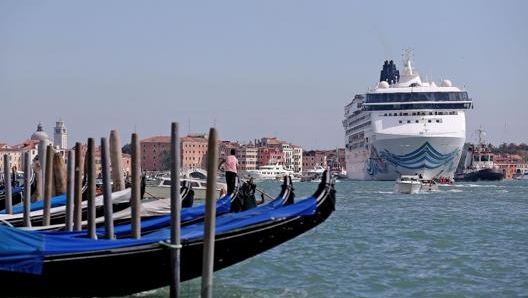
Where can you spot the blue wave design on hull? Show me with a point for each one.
(426, 156)
(375, 166)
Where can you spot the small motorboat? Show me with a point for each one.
(407, 184)
(414, 184)
(162, 188)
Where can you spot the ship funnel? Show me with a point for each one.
(389, 73)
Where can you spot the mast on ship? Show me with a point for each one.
(407, 58)
(409, 78)
(481, 136)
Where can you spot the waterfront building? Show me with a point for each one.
(14, 157)
(313, 159)
(194, 149)
(269, 155)
(512, 165)
(155, 153)
(60, 136)
(290, 155)
(40, 135)
(246, 154)
(16, 153)
(297, 158)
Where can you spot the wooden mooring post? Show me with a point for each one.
(27, 190)
(42, 153)
(175, 212)
(107, 190)
(135, 195)
(90, 157)
(116, 162)
(77, 196)
(210, 216)
(70, 190)
(48, 185)
(59, 174)
(8, 191)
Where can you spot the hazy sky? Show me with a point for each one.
(251, 69)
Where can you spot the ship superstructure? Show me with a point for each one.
(404, 126)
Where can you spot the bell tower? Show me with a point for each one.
(60, 136)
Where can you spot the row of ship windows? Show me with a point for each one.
(362, 118)
(428, 120)
(349, 131)
(417, 96)
(357, 120)
(355, 128)
(361, 126)
(356, 137)
(421, 113)
(355, 145)
(418, 106)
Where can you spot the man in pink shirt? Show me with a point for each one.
(231, 168)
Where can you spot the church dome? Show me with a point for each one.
(40, 134)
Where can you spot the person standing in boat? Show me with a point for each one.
(230, 164)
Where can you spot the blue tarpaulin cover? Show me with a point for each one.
(56, 201)
(24, 251)
(222, 206)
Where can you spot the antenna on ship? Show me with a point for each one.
(505, 134)
(481, 136)
(407, 58)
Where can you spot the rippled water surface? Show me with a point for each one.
(466, 240)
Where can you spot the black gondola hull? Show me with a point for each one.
(122, 272)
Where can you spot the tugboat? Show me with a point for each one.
(479, 165)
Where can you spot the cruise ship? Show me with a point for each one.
(405, 126)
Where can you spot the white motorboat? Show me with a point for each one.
(269, 171)
(162, 188)
(414, 184)
(317, 170)
(428, 185)
(523, 176)
(408, 184)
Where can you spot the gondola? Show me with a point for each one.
(37, 265)
(242, 199)
(120, 201)
(17, 192)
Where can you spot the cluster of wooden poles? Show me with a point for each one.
(60, 178)
(74, 176)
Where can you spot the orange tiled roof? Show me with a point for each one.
(157, 139)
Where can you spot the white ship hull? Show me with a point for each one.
(405, 126)
(387, 159)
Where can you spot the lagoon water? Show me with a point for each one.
(466, 240)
